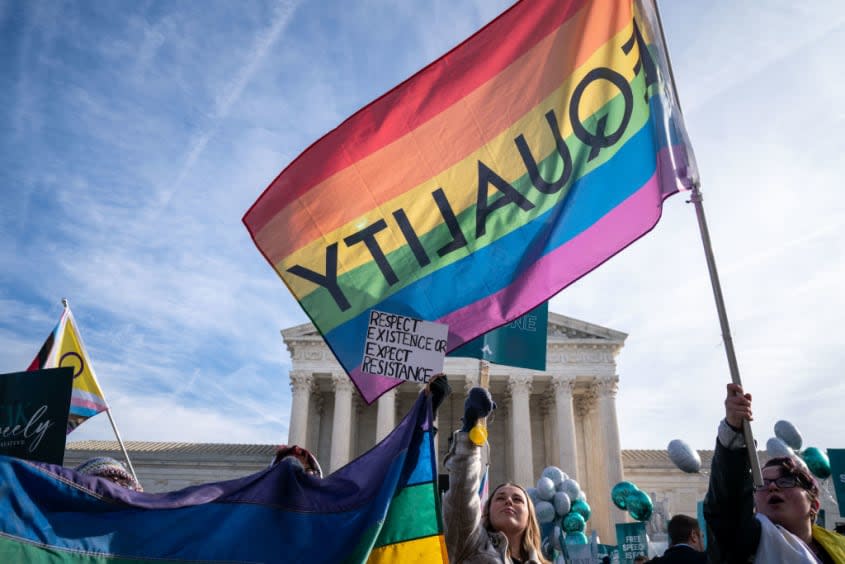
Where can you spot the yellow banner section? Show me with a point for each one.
(422, 551)
(72, 354)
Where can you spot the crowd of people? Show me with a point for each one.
(772, 522)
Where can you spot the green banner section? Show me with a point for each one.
(632, 541)
(837, 474)
(520, 343)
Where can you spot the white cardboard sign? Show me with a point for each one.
(403, 347)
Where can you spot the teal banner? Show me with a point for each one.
(33, 414)
(837, 475)
(520, 343)
(632, 541)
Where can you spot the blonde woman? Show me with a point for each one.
(505, 530)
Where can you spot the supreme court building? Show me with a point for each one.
(564, 416)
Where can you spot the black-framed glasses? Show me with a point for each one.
(783, 482)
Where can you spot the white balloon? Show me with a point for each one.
(683, 456)
(555, 474)
(786, 431)
(545, 488)
(545, 512)
(776, 448)
(562, 503)
(571, 488)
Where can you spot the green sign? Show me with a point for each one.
(632, 541)
(33, 414)
(520, 343)
(837, 474)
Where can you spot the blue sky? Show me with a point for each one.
(133, 137)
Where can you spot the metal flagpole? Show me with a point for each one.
(122, 447)
(696, 200)
(108, 412)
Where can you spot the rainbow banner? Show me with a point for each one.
(64, 348)
(382, 507)
(487, 182)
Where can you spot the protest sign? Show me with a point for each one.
(632, 541)
(403, 347)
(837, 473)
(33, 414)
(520, 343)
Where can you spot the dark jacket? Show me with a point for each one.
(681, 554)
(729, 507)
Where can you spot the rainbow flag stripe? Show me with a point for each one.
(381, 507)
(507, 169)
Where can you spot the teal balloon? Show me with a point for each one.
(581, 507)
(576, 538)
(639, 505)
(620, 493)
(817, 462)
(574, 523)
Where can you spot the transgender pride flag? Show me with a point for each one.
(487, 182)
(64, 348)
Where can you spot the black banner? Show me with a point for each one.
(34, 409)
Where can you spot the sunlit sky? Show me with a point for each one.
(134, 135)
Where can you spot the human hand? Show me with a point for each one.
(438, 388)
(479, 403)
(737, 406)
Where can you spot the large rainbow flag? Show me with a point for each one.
(487, 182)
(64, 347)
(381, 508)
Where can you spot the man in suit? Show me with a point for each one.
(685, 543)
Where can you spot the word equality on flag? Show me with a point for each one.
(64, 348)
(380, 508)
(486, 183)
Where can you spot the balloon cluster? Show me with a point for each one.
(628, 497)
(787, 442)
(562, 510)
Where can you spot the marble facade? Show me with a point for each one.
(564, 416)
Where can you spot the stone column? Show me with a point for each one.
(593, 479)
(341, 423)
(386, 415)
(519, 386)
(565, 425)
(610, 429)
(301, 384)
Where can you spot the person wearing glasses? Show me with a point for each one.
(771, 523)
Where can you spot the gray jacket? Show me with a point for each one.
(466, 539)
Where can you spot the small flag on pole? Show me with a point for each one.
(64, 348)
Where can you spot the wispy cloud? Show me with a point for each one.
(139, 135)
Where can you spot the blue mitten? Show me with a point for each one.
(478, 404)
